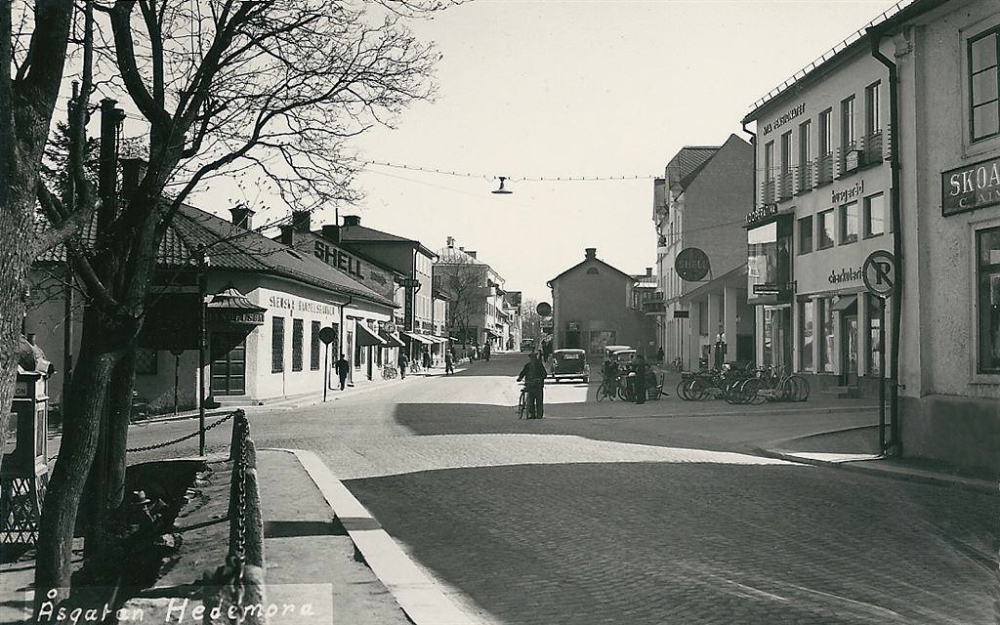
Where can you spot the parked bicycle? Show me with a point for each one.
(389, 372)
(607, 389)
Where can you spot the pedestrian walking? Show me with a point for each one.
(404, 362)
(486, 352)
(342, 367)
(659, 356)
(534, 375)
(449, 363)
(427, 359)
(640, 369)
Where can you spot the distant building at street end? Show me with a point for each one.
(701, 203)
(476, 296)
(595, 304)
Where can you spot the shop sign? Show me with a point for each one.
(843, 196)
(784, 118)
(774, 288)
(692, 264)
(301, 305)
(761, 213)
(336, 257)
(682, 314)
(845, 275)
(970, 187)
(231, 316)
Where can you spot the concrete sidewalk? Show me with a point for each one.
(857, 449)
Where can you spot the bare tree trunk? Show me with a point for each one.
(99, 355)
(15, 260)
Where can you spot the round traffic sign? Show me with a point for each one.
(327, 335)
(544, 309)
(692, 264)
(879, 273)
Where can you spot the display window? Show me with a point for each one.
(988, 270)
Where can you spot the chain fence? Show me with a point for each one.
(180, 439)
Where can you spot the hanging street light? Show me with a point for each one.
(501, 190)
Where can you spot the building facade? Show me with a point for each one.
(476, 298)
(594, 305)
(265, 306)
(821, 207)
(700, 203)
(945, 55)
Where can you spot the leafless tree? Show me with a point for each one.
(278, 88)
(464, 281)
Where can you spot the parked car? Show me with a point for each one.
(623, 357)
(570, 363)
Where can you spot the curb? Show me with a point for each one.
(825, 410)
(885, 470)
(420, 598)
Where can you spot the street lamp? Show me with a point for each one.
(501, 190)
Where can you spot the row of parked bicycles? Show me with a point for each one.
(755, 385)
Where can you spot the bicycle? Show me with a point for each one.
(607, 390)
(522, 402)
(414, 367)
(389, 372)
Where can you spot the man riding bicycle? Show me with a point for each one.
(534, 375)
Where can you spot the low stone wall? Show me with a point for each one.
(962, 431)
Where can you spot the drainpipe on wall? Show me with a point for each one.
(895, 443)
(758, 358)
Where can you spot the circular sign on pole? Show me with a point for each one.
(692, 264)
(327, 335)
(879, 273)
(544, 309)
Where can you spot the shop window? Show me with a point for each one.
(767, 357)
(277, 344)
(296, 345)
(983, 83)
(805, 235)
(849, 223)
(314, 344)
(145, 361)
(874, 215)
(988, 256)
(824, 226)
(806, 334)
(875, 313)
(826, 335)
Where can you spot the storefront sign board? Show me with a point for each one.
(692, 264)
(970, 187)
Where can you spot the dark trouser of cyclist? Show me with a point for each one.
(536, 399)
(639, 388)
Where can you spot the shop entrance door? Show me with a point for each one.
(229, 372)
(849, 348)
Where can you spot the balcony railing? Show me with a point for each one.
(848, 159)
(871, 148)
(824, 169)
(785, 185)
(767, 189)
(804, 180)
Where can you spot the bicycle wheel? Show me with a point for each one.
(602, 393)
(750, 390)
(801, 388)
(522, 405)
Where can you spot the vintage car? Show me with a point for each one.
(623, 357)
(570, 363)
(528, 345)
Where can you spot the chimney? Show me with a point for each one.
(352, 220)
(451, 242)
(649, 272)
(287, 235)
(591, 253)
(242, 216)
(331, 233)
(133, 171)
(300, 221)
(472, 254)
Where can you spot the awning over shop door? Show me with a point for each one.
(418, 337)
(844, 303)
(391, 340)
(367, 338)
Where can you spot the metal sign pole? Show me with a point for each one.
(326, 370)
(881, 377)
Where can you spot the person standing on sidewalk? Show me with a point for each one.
(449, 363)
(342, 368)
(427, 359)
(403, 363)
(486, 352)
(640, 370)
(534, 375)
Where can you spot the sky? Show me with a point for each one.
(551, 88)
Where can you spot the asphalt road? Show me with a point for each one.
(617, 513)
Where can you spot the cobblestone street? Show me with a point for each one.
(619, 513)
